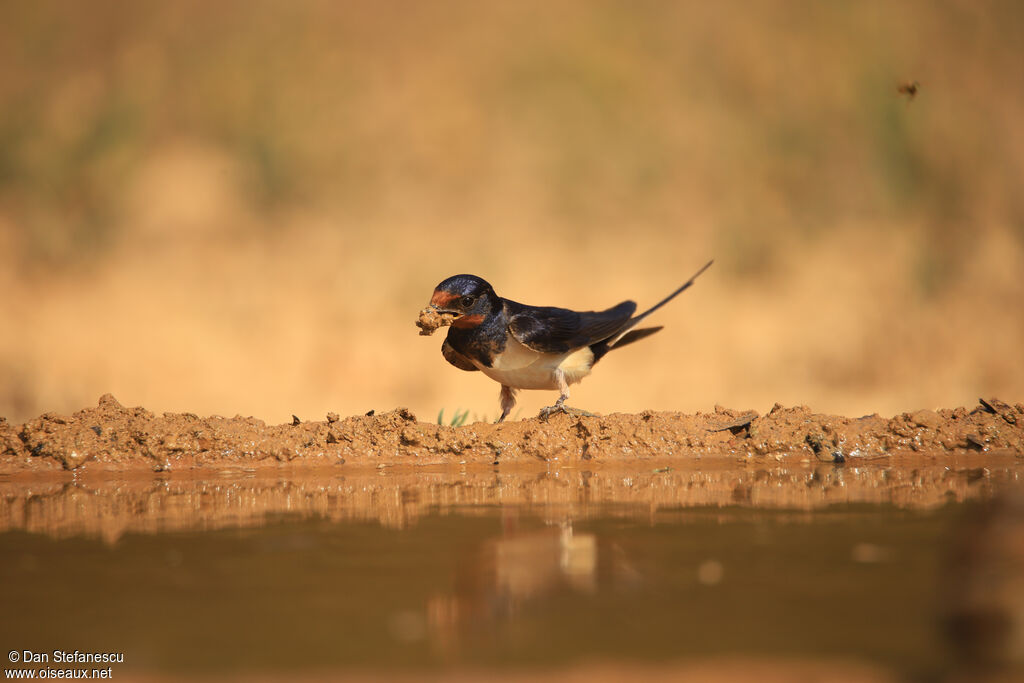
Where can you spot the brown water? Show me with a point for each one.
(413, 573)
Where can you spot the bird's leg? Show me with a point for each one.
(560, 407)
(508, 401)
(563, 389)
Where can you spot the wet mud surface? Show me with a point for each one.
(111, 437)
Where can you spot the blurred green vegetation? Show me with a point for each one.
(759, 119)
(457, 419)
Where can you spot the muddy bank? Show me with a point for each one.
(111, 437)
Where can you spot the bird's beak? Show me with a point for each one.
(441, 301)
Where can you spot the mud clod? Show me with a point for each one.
(108, 402)
(926, 418)
(10, 442)
(997, 407)
(410, 437)
(739, 423)
(430, 320)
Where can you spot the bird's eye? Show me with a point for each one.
(467, 301)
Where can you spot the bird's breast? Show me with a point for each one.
(521, 367)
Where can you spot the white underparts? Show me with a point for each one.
(520, 367)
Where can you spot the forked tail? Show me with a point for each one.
(624, 336)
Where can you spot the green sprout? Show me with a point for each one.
(457, 420)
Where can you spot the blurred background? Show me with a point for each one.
(240, 207)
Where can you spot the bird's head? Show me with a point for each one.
(469, 298)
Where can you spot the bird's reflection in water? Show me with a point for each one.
(512, 573)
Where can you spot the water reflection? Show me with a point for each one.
(111, 508)
(425, 571)
(983, 585)
(523, 566)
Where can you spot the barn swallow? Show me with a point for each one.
(532, 347)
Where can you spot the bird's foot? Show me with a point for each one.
(547, 412)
